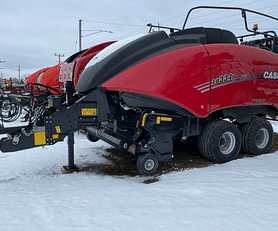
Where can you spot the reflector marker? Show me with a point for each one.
(166, 119)
(58, 130)
(89, 111)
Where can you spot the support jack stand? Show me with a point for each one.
(71, 167)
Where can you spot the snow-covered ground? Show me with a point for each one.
(34, 195)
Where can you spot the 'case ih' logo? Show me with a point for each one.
(270, 75)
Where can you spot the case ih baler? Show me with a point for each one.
(141, 93)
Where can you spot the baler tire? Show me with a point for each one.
(220, 141)
(257, 136)
(147, 164)
(92, 138)
(202, 140)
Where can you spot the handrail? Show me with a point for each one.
(243, 13)
(162, 27)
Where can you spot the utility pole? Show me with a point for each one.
(2, 75)
(59, 56)
(80, 36)
(19, 67)
(80, 33)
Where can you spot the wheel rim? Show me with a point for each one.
(149, 164)
(262, 138)
(227, 143)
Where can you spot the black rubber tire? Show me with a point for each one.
(92, 138)
(220, 141)
(147, 164)
(202, 140)
(257, 136)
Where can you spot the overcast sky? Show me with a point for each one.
(32, 31)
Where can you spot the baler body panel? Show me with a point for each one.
(171, 76)
(242, 75)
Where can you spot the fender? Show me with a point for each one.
(244, 114)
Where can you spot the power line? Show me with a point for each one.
(130, 33)
(113, 23)
(231, 22)
(202, 15)
(37, 61)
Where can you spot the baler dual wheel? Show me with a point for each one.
(220, 141)
(147, 164)
(257, 136)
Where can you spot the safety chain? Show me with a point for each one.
(38, 113)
